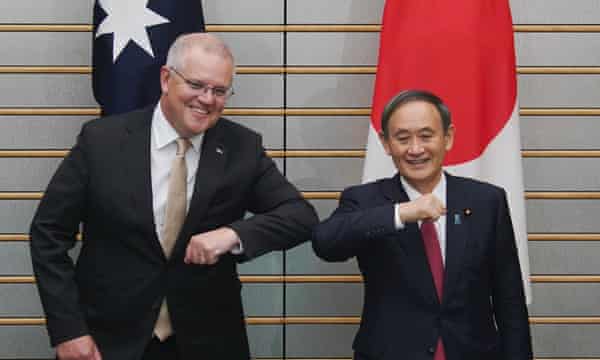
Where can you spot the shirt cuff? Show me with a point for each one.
(238, 249)
(398, 224)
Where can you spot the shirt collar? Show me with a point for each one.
(439, 190)
(164, 133)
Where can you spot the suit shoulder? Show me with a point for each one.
(238, 138)
(370, 189)
(478, 187)
(233, 128)
(357, 189)
(111, 123)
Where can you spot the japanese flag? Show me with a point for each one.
(463, 51)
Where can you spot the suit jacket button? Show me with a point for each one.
(431, 350)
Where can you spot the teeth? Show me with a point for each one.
(201, 111)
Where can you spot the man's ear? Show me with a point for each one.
(165, 74)
(449, 137)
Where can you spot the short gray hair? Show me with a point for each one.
(210, 43)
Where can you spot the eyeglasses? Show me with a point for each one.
(221, 93)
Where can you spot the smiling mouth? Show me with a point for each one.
(199, 111)
(417, 162)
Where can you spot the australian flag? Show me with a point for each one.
(131, 40)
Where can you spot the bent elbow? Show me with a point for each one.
(324, 247)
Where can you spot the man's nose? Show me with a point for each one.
(206, 95)
(415, 147)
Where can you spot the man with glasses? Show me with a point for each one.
(162, 193)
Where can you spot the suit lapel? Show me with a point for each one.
(136, 156)
(210, 170)
(456, 233)
(411, 243)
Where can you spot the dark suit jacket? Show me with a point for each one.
(482, 314)
(115, 289)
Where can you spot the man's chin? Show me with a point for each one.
(419, 176)
(198, 117)
(418, 170)
(197, 123)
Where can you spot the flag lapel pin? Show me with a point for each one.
(457, 220)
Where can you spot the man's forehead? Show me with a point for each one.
(416, 112)
(198, 53)
(193, 61)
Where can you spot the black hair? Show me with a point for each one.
(407, 96)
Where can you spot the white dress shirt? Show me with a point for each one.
(440, 225)
(163, 149)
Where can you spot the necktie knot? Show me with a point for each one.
(182, 146)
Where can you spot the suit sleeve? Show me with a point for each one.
(508, 295)
(53, 232)
(282, 217)
(351, 227)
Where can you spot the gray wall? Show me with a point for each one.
(42, 109)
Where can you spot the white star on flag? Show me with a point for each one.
(128, 21)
